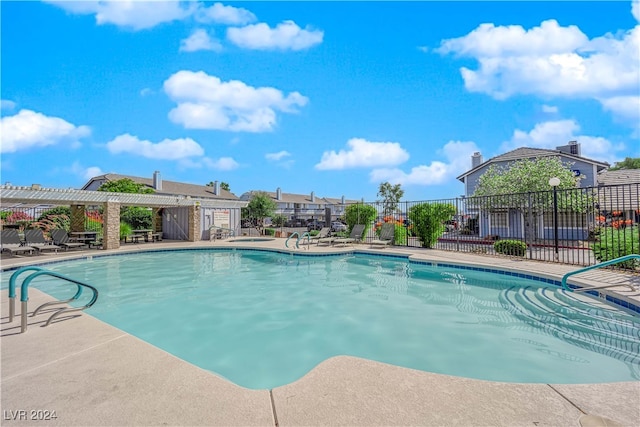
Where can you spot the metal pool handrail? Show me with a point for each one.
(24, 295)
(307, 235)
(593, 267)
(295, 233)
(232, 232)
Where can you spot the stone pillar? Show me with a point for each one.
(111, 226)
(194, 223)
(77, 217)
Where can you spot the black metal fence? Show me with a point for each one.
(580, 226)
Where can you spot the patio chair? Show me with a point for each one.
(322, 234)
(60, 237)
(354, 236)
(10, 241)
(35, 239)
(387, 231)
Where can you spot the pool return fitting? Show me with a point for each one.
(24, 296)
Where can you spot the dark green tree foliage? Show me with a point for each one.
(360, 214)
(391, 195)
(428, 221)
(125, 185)
(225, 186)
(278, 220)
(137, 217)
(260, 207)
(627, 163)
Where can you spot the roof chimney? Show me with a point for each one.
(572, 147)
(157, 181)
(313, 197)
(342, 200)
(476, 159)
(278, 194)
(216, 188)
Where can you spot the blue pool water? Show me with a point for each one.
(264, 319)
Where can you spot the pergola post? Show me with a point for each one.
(194, 223)
(111, 225)
(77, 218)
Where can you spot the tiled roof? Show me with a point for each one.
(616, 177)
(297, 198)
(171, 187)
(530, 153)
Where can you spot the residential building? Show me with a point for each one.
(223, 209)
(304, 207)
(516, 221)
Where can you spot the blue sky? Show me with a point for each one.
(330, 97)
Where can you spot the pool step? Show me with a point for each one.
(572, 324)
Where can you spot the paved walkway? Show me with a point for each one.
(91, 373)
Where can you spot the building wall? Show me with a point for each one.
(215, 216)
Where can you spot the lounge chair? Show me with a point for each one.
(387, 231)
(10, 241)
(35, 239)
(60, 237)
(355, 236)
(322, 234)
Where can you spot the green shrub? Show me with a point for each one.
(278, 220)
(138, 218)
(428, 221)
(125, 230)
(510, 247)
(314, 232)
(400, 235)
(613, 243)
(58, 210)
(270, 231)
(360, 214)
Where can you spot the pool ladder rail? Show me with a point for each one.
(566, 287)
(24, 296)
(295, 233)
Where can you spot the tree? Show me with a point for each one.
(428, 221)
(260, 207)
(225, 186)
(136, 217)
(627, 163)
(524, 185)
(125, 185)
(391, 195)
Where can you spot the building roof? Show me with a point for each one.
(530, 153)
(617, 177)
(171, 188)
(297, 198)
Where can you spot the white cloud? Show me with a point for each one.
(221, 14)
(146, 92)
(29, 129)
(7, 105)
(223, 163)
(277, 156)
(362, 153)
(206, 102)
(199, 40)
(549, 109)
(85, 173)
(135, 15)
(552, 134)
(635, 9)
(457, 155)
(625, 107)
(167, 149)
(549, 61)
(287, 35)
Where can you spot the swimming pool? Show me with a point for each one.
(264, 319)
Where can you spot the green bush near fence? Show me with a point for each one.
(125, 230)
(360, 214)
(510, 247)
(270, 231)
(612, 243)
(428, 221)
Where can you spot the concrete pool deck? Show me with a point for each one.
(91, 373)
